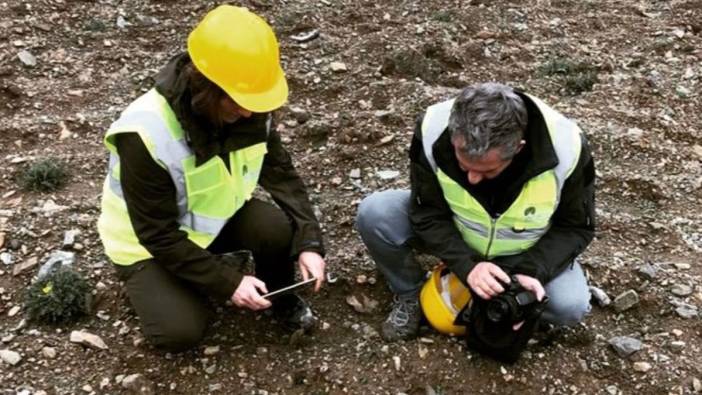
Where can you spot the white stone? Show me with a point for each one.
(13, 311)
(27, 58)
(88, 339)
(211, 350)
(337, 67)
(642, 367)
(49, 352)
(11, 357)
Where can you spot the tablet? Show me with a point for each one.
(289, 288)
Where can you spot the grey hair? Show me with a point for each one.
(486, 116)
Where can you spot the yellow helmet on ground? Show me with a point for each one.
(442, 297)
(238, 51)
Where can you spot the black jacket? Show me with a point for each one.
(572, 226)
(149, 190)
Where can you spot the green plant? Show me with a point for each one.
(61, 296)
(45, 175)
(581, 82)
(576, 77)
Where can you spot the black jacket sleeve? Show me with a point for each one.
(279, 178)
(572, 226)
(431, 217)
(150, 197)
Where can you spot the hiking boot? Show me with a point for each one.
(294, 313)
(403, 321)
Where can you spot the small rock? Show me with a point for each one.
(696, 384)
(88, 339)
(387, 174)
(6, 258)
(305, 36)
(624, 345)
(9, 356)
(642, 367)
(355, 173)
(27, 58)
(122, 23)
(87, 388)
(682, 266)
(211, 350)
(22, 266)
(325, 326)
(626, 300)
(261, 350)
(56, 260)
(687, 311)
(361, 279)
(104, 383)
(396, 362)
(13, 311)
(677, 345)
(682, 91)
(2, 239)
(138, 384)
(677, 332)
(69, 238)
(612, 390)
(215, 387)
(300, 114)
(338, 67)
(697, 149)
(48, 352)
(364, 305)
(647, 271)
(681, 290)
(601, 297)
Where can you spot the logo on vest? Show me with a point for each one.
(529, 211)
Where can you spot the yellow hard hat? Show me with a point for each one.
(238, 51)
(442, 297)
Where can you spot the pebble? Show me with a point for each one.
(87, 388)
(387, 174)
(211, 350)
(681, 290)
(626, 300)
(677, 332)
(215, 387)
(647, 271)
(361, 279)
(687, 311)
(57, 259)
(677, 345)
(13, 311)
(11, 357)
(88, 339)
(338, 67)
(682, 91)
(138, 384)
(624, 345)
(24, 265)
(355, 173)
(27, 58)
(325, 326)
(69, 238)
(300, 114)
(396, 361)
(696, 384)
(600, 296)
(6, 258)
(682, 266)
(642, 367)
(48, 352)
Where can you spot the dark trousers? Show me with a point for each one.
(173, 313)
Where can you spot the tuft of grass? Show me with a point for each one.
(60, 297)
(576, 77)
(45, 175)
(443, 16)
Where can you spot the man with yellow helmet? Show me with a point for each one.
(185, 158)
(500, 184)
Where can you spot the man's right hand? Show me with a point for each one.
(483, 280)
(248, 294)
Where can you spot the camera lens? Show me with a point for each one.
(497, 310)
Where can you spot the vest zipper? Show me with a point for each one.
(493, 229)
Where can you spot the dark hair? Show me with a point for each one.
(205, 96)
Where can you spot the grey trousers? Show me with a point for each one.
(384, 225)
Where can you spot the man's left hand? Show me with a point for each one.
(312, 264)
(533, 285)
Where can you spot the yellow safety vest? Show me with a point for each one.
(207, 196)
(529, 216)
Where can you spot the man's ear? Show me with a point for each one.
(521, 145)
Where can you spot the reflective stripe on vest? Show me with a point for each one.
(207, 196)
(529, 217)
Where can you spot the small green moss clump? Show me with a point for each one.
(576, 77)
(45, 175)
(60, 297)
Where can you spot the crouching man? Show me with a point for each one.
(500, 184)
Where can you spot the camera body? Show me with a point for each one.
(512, 305)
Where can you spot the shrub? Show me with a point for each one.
(61, 296)
(45, 175)
(576, 77)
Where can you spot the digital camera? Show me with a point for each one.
(511, 305)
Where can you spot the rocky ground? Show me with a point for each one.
(627, 71)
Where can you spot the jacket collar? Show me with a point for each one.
(204, 138)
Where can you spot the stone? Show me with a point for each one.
(48, 352)
(362, 305)
(138, 384)
(696, 385)
(300, 114)
(88, 339)
(687, 311)
(87, 388)
(647, 271)
(677, 345)
(600, 296)
(122, 23)
(69, 238)
(6, 258)
(56, 260)
(24, 265)
(624, 345)
(682, 266)
(2, 239)
(681, 290)
(10, 357)
(215, 387)
(396, 361)
(387, 174)
(27, 58)
(211, 350)
(13, 311)
(682, 91)
(355, 173)
(305, 36)
(642, 367)
(338, 67)
(626, 300)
